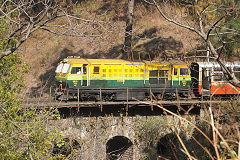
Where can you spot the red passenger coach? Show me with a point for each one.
(208, 79)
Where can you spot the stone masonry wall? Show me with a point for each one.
(94, 133)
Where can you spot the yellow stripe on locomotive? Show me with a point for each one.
(122, 73)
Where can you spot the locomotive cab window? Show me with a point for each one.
(175, 71)
(85, 68)
(184, 72)
(76, 70)
(96, 70)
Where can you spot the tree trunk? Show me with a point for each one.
(69, 6)
(128, 34)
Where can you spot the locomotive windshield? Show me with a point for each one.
(59, 68)
(63, 68)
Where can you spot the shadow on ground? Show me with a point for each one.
(150, 47)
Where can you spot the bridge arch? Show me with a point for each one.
(119, 147)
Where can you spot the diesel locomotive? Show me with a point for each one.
(116, 80)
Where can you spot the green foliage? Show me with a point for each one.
(210, 8)
(10, 82)
(148, 132)
(23, 131)
(227, 29)
(5, 24)
(232, 23)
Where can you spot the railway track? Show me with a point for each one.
(46, 103)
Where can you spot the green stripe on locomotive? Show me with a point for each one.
(181, 83)
(99, 81)
(119, 73)
(129, 82)
(77, 82)
(105, 83)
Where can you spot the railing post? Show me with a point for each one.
(127, 100)
(101, 99)
(50, 91)
(78, 98)
(150, 90)
(178, 101)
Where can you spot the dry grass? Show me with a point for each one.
(43, 50)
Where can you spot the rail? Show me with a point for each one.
(46, 103)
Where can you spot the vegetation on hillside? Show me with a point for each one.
(213, 135)
(209, 16)
(24, 132)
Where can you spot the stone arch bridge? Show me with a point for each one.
(110, 134)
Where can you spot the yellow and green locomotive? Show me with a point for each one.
(115, 79)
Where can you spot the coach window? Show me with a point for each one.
(236, 71)
(96, 70)
(184, 72)
(218, 75)
(76, 70)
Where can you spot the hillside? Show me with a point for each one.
(152, 35)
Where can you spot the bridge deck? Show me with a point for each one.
(62, 104)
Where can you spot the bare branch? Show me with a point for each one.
(205, 36)
(177, 23)
(213, 26)
(42, 14)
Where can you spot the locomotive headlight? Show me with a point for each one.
(65, 60)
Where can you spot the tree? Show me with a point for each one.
(216, 22)
(211, 19)
(19, 19)
(128, 31)
(23, 131)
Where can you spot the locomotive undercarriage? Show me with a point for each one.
(123, 94)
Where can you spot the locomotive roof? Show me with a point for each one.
(118, 61)
(96, 61)
(216, 65)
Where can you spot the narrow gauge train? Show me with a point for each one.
(115, 79)
(208, 79)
